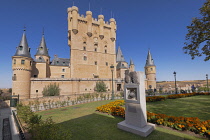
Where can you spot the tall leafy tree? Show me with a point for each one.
(198, 36)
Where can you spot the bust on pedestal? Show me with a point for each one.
(135, 105)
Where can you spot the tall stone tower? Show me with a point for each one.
(92, 45)
(22, 66)
(42, 59)
(150, 71)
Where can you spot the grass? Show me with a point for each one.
(85, 124)
(195, 106)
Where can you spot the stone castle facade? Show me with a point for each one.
(92, 50)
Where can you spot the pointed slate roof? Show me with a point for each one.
(42, 49)
(131, 62)
(23, 49)
(149, 61)
(120, 57)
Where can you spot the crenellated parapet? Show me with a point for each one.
(74, 19)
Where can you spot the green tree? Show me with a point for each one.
(100, 86)
(198, 36)
(51, 90)
(10, 90)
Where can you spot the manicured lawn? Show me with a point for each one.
(195, 106)
(85, 124)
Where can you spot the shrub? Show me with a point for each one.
(38, 128)
(100, 86)
(51, 90)
(155, 98)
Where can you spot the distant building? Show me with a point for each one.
(92, 50)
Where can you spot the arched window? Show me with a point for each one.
(151, 69)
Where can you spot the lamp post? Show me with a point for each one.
(112, 69)
(175, 82)
(207, 82)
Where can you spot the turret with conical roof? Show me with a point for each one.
(149, 61)
(120, 57)
(150, 71)
(23, 49)
(42, 52)
(22, 67)
(131, 66)
(42, 60)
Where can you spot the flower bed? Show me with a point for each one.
(174, 96)
(155, 98)
(180, 123)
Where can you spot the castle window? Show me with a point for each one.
(14, 62)
(30, 63)
(22, 61)
(41, 48)
(85, 58)
(20, 48)
(62, 76)
(57, 62)
(105, 46)
(63, 70)
(35, 76)
(37, 91)
(64, 62)
(151, 69)
(95, 49)
(84, 48)
(95, 62)
(123, 65)
(84, 42)
(105, 51)
(106, 63)
(40, 58)
(14, 78)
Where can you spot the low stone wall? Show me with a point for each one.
(45, 103)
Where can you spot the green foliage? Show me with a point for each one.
(100, 86)
(199, 34)
(51, 90)
(24, 113)
(48, 130)
(205, 89)
(10, 90)
(38, 128)
(1, 91)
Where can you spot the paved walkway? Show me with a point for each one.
(10, 132)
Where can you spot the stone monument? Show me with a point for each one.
(135, 105)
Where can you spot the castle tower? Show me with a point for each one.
(122, 65)
(92, 45)
(42, 60)
(150, 71)
(131, 66)
(22, 66)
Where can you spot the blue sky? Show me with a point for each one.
(141, 24)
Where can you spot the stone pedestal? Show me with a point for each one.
(142, 131)
(135, 108)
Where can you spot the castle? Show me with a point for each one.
(92, 50)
